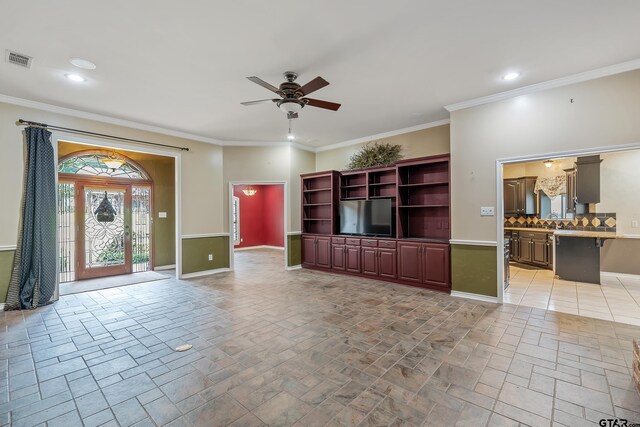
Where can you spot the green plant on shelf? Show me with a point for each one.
(379, 153)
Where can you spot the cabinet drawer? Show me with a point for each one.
(530, 235)
(338, 240)
(353, 242)
(386, 244)
(372, 243)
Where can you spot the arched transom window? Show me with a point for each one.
(97, 164)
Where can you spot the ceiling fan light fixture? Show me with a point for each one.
(113, 162)
(291, 137)
(290, 107)
(548, 163)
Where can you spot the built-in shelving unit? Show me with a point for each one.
(423, 198)
(418, 254)
(319, 194)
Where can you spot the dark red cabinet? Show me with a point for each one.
(352, 259)
(380, 262)
(338, 257)
(424, 263)
(316, 251)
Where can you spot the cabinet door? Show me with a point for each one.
(510, 196)
(338, 257)
(525, 252)
(539, 254)
(352, 259)
(571, 191)
(369, 261)
(514, 249)
(323, 252)
(388, 263)
(435, 263)
(309, 250)
(409, 262)
(550, 253)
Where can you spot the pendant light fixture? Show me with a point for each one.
(249, 191)
(113, 162)
(548, 163)
(105, 211)
(290, 135)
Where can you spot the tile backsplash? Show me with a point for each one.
(585, 222)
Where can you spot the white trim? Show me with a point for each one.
(205, 273)
(203, 235)
(623, 275)
(105, 119)
(550, 84)
(8, 248)
(294, 267)
(294, 233)
(1, 306)
(478, 297)
(235, 219)
(164, 267)
(473, 242)
(280, 248)
(382, 135)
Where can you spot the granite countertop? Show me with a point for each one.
(535, 230)
(576, 233)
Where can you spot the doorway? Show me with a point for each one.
(257, 224)
(106, 224)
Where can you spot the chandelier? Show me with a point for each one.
(249, 191)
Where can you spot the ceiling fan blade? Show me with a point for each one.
(247, 103)
(259, 81)
(292, 115)
(322, 104)
(314, 85)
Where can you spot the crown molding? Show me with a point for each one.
(267, 144)
(382, 135)
(105, 119)
(550, 84)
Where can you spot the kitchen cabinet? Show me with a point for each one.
(338, 257)
(587, 182)
(424, 263)
(316, 251)
(573, 206)
(532, 248)
(352, 258)
(519, 197)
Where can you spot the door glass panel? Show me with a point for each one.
(141, 233)
(104, 241)
(66, 231)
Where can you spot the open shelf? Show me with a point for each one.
(423, 206)
(378, 184)
(422, 184)
(317, 189)
(353, 198)
(319, 202)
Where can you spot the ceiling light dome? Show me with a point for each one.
(83, 63)
(290, 107)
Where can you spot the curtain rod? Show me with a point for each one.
(102, 135)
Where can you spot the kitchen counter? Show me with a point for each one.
(535, 230)
(581, 233)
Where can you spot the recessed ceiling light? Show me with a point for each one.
(83, 63)
(510, 76)
(75, 78)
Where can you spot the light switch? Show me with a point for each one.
(487, 211)
(162, 214)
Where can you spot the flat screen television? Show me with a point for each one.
(366, 217)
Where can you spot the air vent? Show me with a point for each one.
(18, 59)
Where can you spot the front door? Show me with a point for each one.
(103, 247)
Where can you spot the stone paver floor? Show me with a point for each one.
(305, 348)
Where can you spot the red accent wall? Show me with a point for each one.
(261, 216)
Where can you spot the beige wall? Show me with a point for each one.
(422, 143)
(604, 113)
(537, 168)
(201, 169)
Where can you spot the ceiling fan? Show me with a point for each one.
(293, 96)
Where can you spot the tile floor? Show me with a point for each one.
(305, 348)
(618, 298)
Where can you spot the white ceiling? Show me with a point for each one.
(392, 64)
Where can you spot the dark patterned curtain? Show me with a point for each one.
(33, 278)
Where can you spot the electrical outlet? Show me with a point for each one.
(210, 257)
(634, 223)
(162, 214)
(487, 211)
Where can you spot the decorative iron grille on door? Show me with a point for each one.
(104, 244)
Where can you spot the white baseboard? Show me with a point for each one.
(247, 248)
(477, 297)
(624, 275)
(164, 267)
(294, 267)
(205, 273)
